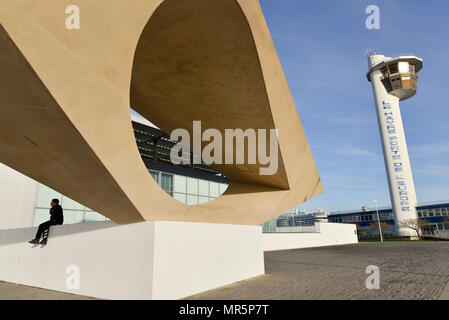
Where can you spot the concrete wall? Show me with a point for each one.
(149, 260)
(195, 257)
(17, 199)
(330, 234)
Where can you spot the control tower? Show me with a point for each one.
(393, 80)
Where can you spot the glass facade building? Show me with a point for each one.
(436, 214)
(189, 184)
(188, 190)
(73, 211)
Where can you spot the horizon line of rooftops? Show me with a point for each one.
(419, 206)
(365, 209)
(436, 212)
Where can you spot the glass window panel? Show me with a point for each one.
(404, 67)
(191, 199)
(180, 184)
(44, 196)
(203, 187)
(180, 197)
(40, 215)
(192, 186)
(91, 216)
(72, 217)
(68, 203)
(223, 187)
(155, 175)
(214, 189)
(393, 68)
(203, 199)
(167, 182)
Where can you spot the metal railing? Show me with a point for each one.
(312, 228)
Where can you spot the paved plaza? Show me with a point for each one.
(10, 291)
(408, 270)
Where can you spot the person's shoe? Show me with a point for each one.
(43, 242)
(34, 241)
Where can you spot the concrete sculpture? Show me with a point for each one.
(65, 98)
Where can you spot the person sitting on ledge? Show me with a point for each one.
(56, 218)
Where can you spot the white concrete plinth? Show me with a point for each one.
(330, 234)
(149, 260)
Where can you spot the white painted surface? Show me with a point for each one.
(149, 260)
(17, 199)
(330, 234)
(195, 257)
(394, 145)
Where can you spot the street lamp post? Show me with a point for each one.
(378, 221)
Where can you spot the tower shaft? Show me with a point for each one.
(397, 162)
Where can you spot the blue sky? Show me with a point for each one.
(321, 46)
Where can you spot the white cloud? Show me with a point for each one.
(351, 150)
(429, 149)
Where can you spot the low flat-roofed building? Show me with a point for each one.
(435, 213)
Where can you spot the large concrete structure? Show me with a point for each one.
(24, 202)
(148, 260)
(65, 97)
(395, 79)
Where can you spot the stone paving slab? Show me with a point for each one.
(445, 294)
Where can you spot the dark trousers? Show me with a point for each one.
(45, 226)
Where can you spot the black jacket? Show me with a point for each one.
(56, 214)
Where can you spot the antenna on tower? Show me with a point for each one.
(369, 52)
